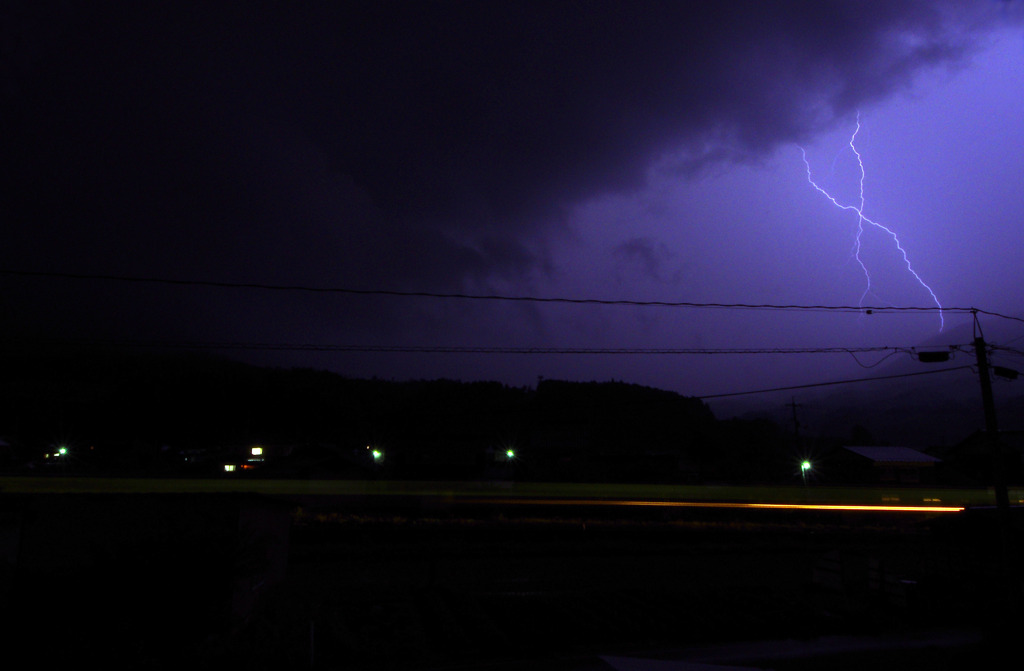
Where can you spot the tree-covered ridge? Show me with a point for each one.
(135, 404)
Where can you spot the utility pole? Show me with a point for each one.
(805, 465)
(991, 429)
(796, 424)
(1007, 596)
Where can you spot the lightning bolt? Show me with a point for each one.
(862, 220)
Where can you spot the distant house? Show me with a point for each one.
(305, 460)
(883, 465)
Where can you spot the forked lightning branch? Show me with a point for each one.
(862, 220)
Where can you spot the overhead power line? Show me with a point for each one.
(832, 383)
(524, 350)
(456, 349)
(501, 297)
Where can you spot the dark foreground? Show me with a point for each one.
(492, 588)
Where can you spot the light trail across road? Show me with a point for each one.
(884, 499)
(714, 504)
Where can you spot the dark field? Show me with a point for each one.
(165, 581)
(491, 591)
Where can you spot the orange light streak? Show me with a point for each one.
(716, 504)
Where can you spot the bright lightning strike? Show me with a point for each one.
(862, 220)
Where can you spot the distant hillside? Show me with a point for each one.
(132, 401)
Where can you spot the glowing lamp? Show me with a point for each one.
(805, 466)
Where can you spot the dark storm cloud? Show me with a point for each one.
(405, 144)
(468, 115)
(485, 114)
(642, 257)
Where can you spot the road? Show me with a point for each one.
(478, 493)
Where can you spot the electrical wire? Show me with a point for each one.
(456, 349)
(891, 351)
(500, 297)
(880, 361)
(832, 383)
(534, 350)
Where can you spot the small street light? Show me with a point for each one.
(804, 467)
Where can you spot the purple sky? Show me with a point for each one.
(637, 151)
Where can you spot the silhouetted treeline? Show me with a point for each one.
(139, 407)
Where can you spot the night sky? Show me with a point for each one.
(637, 151)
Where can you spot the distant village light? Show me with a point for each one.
(257, 451)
